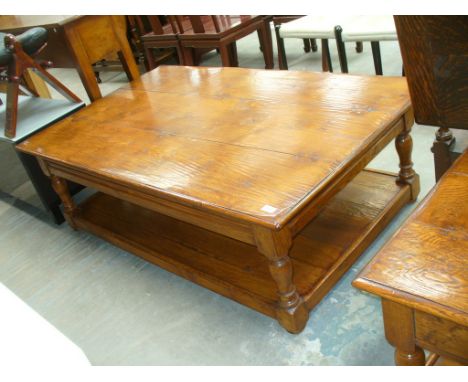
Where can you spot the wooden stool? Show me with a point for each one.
(15, 58)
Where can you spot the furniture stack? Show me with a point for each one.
(191, 36)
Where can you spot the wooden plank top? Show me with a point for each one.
(425, 264)
(252, 144)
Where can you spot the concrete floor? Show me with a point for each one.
(122, 310)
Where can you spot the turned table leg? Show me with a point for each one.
(291, 311)
(60, 186)
(400, 332)
(404, 147)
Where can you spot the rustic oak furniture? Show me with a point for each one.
(251, 183)
(421, 274)
(435, 58)
(79, 42)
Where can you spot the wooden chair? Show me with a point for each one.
(222, 32)
(15, 59)
(434, 51)
(151, 35)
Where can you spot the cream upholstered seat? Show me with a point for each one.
(369, 28)
(365, 28)
(308, 27)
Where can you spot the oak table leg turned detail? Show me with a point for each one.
(399, 331)
(404, 147)
(292, 313)
(70, 209)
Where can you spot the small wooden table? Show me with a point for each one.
(78, 42)
(248, 182)
(422, 276)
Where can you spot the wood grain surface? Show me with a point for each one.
(434, 51)
(425, 265)
(258, 145)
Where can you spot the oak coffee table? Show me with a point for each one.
(251, 183)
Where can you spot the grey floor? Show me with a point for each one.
(122, 310)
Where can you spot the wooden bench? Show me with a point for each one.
(421, 275)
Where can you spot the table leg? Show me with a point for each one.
(82, 64)
(291, 311)
(60, 186)
(400, 332)
(404, 147)
(125, 54)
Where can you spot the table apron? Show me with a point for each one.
(235, 229)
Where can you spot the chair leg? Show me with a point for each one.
(282, 61)
(180, 55)
(233, 53)
(326, 58)
(266, 40)
(359, 47)
(260, 40)
(187, 56)
(225, 55)
(442, 149)
(341, 49)
(377, 57)
(306, 45)
(313, 44)
(150, 58)
(12, 107)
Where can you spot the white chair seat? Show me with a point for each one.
(369, 28)
(319, 27)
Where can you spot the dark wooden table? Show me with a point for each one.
(78, 42)
(422, 276)
(248, 182)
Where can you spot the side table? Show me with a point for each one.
(421, 276)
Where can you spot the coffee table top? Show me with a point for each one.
(253, 144)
